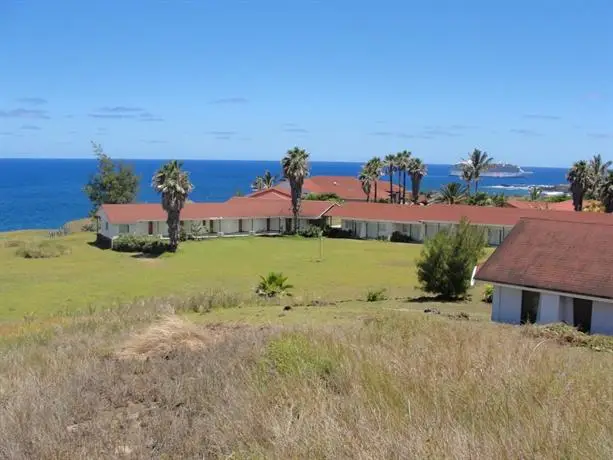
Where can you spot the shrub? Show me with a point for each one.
(89, 226)
(488, 293)
(42, 250)
(335, 232)
(142, 244)
(324, 197)
(311, 231)
(376, 295)
(273, 285)
(198, 230)
(382, 238)
(447, 260)
(398, 237)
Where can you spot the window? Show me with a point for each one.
(106, 225)
(124, 228)
(529, 306)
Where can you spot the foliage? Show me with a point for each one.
(336, 232)
(498, 200)
(534, 193)
(295, 165)
(89, 226)
(113, 183)
(273, 285)
(416, 170)
(488, 293)
(173, 184)
(579, 179)
(606, 192)
(399, 237)
(198, 230)
(140, 244)
(594, 206)
(324, 197)
(376, 295)
(452, 193)
(312, 231)
(556, 198)
(268, 180)
(369, 177)
(42, 250)
(447, 260)
(403, 162)
(597, 170)
(477, 163)
(389, 167)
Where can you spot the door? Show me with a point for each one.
(150, 228)
(582, 314)
(240, 225)
(529, 306)
(268, 224)
(288, 225)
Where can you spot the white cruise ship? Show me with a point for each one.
(495, 170)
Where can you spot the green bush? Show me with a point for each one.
(446, 262)
(311, 232)
(488, 293)
(398, 237)
(89, 226)
(376, 295)
(335, 232)
(142, 244)
(42, 250)
(273, 285)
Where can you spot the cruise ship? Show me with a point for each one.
(495, 170)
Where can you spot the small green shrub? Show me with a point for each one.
(42, 250)
(488, 293)
(273, 285)
(142, 244)
(311, 232)
(335, 232)
(398, 237)
(376, 295)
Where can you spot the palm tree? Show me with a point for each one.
(263, 182)
(295, 165)
(174, 185)
(374, 166)
(257, 184)
(365, 179)
(477, 163)
(535, 193)
(389, 165)
(417, 170)
(402, 163)
(598, 171)
(606, 192)
(578, 177)
(452, 193)
(467, 175)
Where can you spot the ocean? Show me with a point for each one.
(46, 193)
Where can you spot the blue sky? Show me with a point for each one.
(528, 81)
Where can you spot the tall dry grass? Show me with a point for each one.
(407, 386)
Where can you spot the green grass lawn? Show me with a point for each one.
(90, 276)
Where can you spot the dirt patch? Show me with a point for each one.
(173, 334)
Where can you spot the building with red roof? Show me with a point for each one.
(554, 270)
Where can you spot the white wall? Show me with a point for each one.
(550, 310)
(259, 225)
(602, 318)
(506, 305)
(228, 226)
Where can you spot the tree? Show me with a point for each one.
(606, 192)
(113, 183)
(447, 260)
(403, 160)
(452, 193)
(534, 193)
(295, 167)
(467, 175)
(174, 185)
(477, 163)
(598, 171)
(273, 285)
(365, 180)
(389, 165)
(578, 177)
(416, 170)
(374, 168)
(264, 182)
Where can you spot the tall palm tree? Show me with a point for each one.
(365, 179)
(467, 175)
(477, 163)
(295, 165)
(374, 167)
(402, 164)
(578, 177)
(389, 166)
(598, 171)
(417, 170)
(452, 193)
(606, 192)
(174, 185)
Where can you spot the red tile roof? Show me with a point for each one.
(272, 193)
(566, 205)
(346, 187)
(233, 208)
(454, 213)
(555, 255)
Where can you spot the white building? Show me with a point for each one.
(550, 271)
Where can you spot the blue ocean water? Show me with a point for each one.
(44, 193)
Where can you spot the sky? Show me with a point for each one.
(529, 81)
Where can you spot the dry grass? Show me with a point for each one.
(394, 385)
